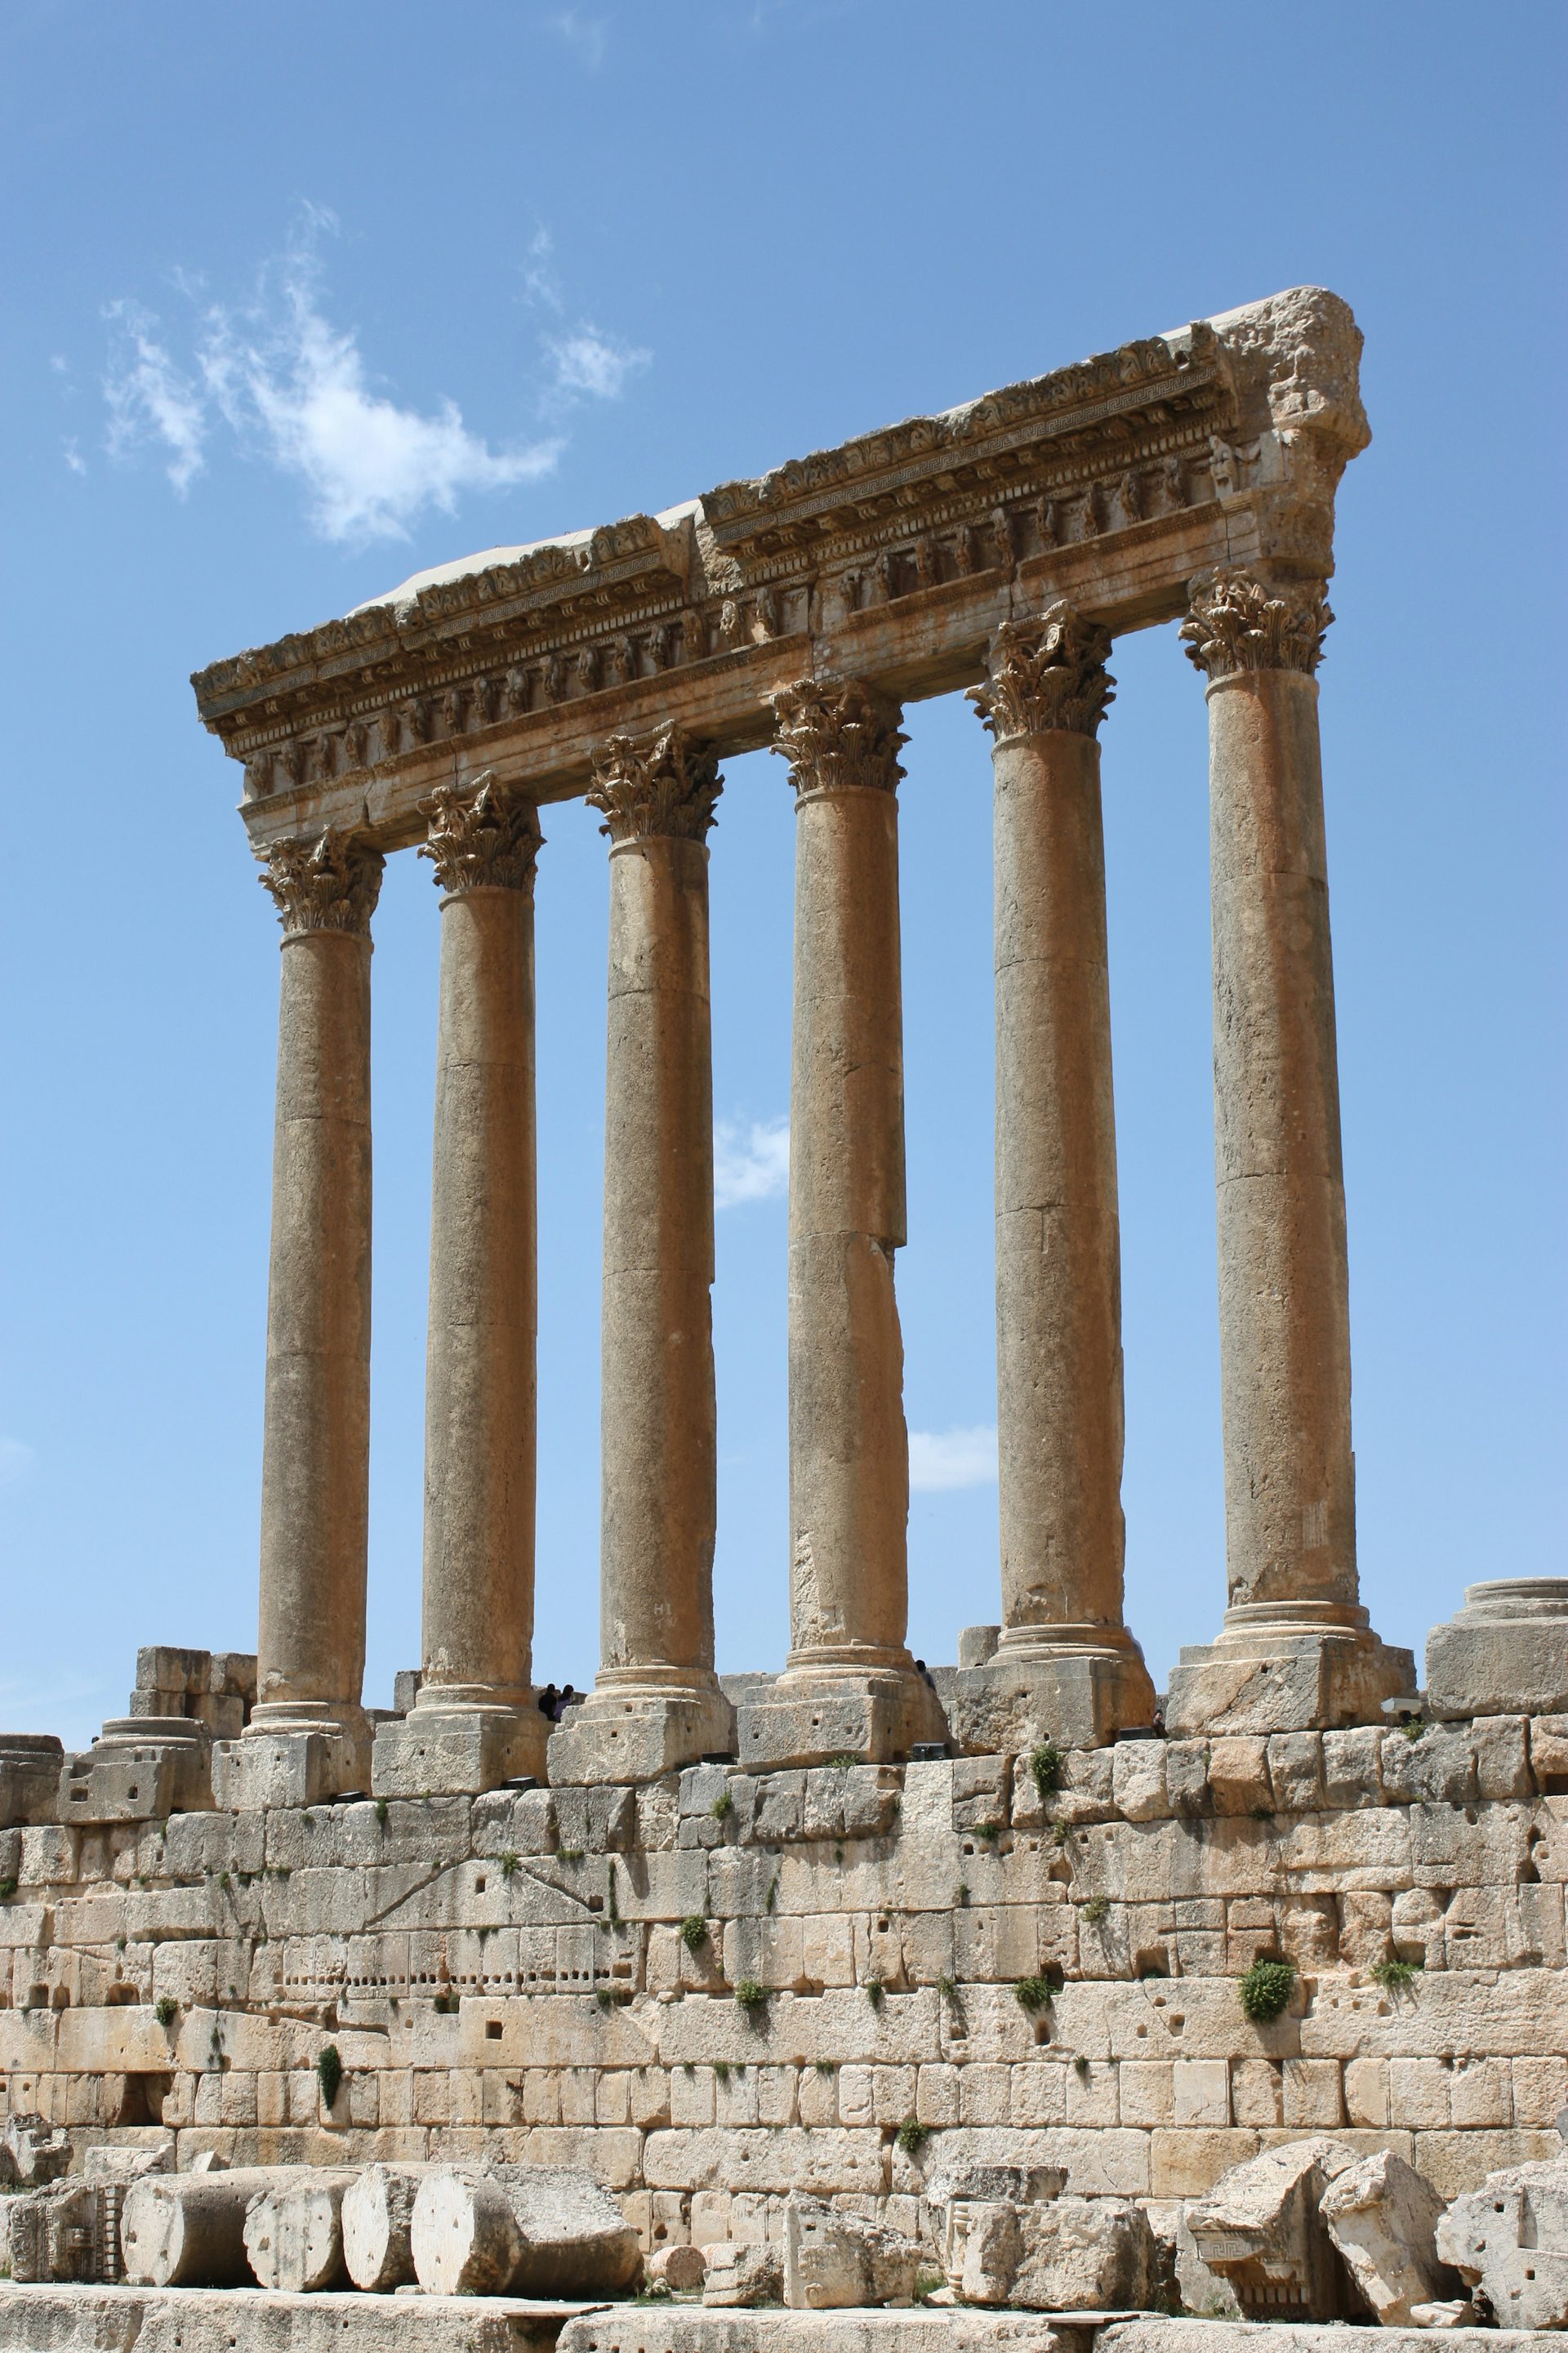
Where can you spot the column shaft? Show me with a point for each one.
(476, 1721)
(1296, 1649)
(1065, 1666)
(849, 1685)
(316, 1446)
(655, 1704)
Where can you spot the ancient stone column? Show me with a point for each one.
(1065, 1667)
(477, 1719)
(849, 1685)
(1296, 1649)
(315, 1466)
(655, 1703)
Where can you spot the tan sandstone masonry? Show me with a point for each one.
(510, 1972)
(656, 1702)
(315, 1470)
(849, 1683)
(476, 1720)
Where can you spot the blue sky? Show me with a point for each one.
(301, 299)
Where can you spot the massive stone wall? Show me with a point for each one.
(719, 1987)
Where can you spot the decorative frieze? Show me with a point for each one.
(838, 735)
(665, 784)
(328, 885)
(1236, 624)
(482, 838)
(1044, 675)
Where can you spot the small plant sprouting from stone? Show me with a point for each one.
(329, 2074)
(612, 1997)
(912, 2136)
(1034, 1994)
(947, 1987)
(875, 1989)
(694, 1932)
(381, 1811)
(7, 1889)
(1413, 1726)
(1045, 1765)
(843, 1761)
(225, 1882)
(446, 2002)
(568, 1854)
(721, 2070)
(1395, 1976)
(1061, 1834)
(1266, 1990)
(509, 1864)
(772, 1897)
(724, 1806)
(751, 1996)
(166, 2010)
(826, 2067)
(1080, 2064)
(989, 1832)
(962, 1891)
(927, 2284)
(119, 1944)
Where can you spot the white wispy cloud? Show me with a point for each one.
(945, 1459)
(17, 1459)
(294, 391)
(151, 398)
(592, 364)
(751, 1160)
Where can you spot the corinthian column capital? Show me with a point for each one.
(1236, 624)
(481, 840)
(1046, 675)
(665, 784)
(329, 884)
(836, 735)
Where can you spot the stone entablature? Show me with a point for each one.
(894, 558)
(511, 1973)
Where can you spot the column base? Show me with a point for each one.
(814, 1713)
(1031, 1690)
(141, 1769)
(458, 1750)
(292, 1753)
(1505, 1653)
(632, 1732)
(1301, 1666)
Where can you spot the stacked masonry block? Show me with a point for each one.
(553, 1973)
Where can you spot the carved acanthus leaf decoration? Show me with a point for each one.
(664, 785)
(1236, 624)
(836, 736)
(329, 884)
(1047, 674)
(483, 839)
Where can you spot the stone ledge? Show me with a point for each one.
(214, 2320)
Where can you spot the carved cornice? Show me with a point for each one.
(838, 735)
(1046, 675)
(329, 884)
(481, 840)
(663, 785)
(894, 558)
(1236, 624)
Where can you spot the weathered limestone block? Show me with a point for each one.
(1381, 2215)
(66, 2231)
(1259, 2227)
(31, 2151)
(1238, 1775)
(1510, 2239)
(1438, 1762)
(293, 2231)
(834, 2258)
(1139, 1779)
(30, 1767)
(188, 2230)
(530, 2230)
(1084, 2255)
(1352, 1774)
(1505, 1653)
(739, 2273)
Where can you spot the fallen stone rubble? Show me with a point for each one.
(1303, 2234)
